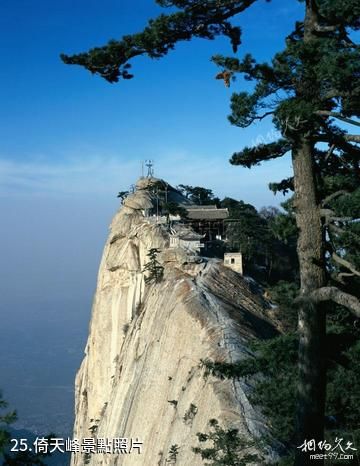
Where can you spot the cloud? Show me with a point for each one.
(94, 175)
(97, 176)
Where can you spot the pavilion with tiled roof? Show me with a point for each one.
(207, 220)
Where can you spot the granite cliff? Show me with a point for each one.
(140, 377)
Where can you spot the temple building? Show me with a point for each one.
(207, 220)
(183, 237)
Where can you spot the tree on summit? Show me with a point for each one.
(311, 91)
(199, 195)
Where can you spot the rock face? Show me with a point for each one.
(140, 377)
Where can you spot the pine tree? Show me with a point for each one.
(173, 454)
(122, 195)
(5, 420)
(307, 89)
(227, 447)
(153, 268)
(198, 195)
(173, 208)
(19, 457)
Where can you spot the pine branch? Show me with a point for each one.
(329, 216)
(332, 293)
(206, 20)
(336, 93)
(340, 140)
(283, 186)
(333, 196)
(340, 277)
(325, 29)
(344, 263)
(330, 152)
(352, 137)
(251, 156)
(264, 115)
(340, 219)
(337, 115)
(340, 231)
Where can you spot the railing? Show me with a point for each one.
(156, 219)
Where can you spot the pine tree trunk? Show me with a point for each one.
(311, 388)
(312, 320)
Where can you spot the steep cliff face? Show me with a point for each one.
(140, 374)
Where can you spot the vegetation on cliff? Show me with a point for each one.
(154, 270)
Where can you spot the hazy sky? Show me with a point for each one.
(70, 141)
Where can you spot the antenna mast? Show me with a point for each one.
(150, 167)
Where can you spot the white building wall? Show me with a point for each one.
(234, 261)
